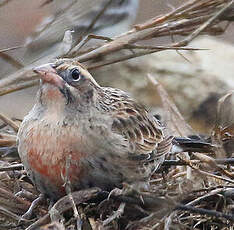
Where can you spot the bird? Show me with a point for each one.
(85, 135)
(89, 135)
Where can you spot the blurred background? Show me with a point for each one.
(18, 19)
(195, 82)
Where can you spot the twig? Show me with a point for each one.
(11, 60)
(186, 19)
(85, 40)
(224, 161)
(157, 20)
(7, 136)
(145, 47)
(177, 122)
(12, 215)
(10, 196)
(64, 204)
(150, 201)
(7, 140)
(18, 86)
(4, 142)
(210, 194)
(130, 38)
(42, 221)
(27, 215)
(203, 211)
(26, 73)
(185, 41)
(198, 200)
(10, 122)
(28, 84)
(215, 176)
(211, 161)
(208, 174)
(144, 52)
(12, 167)
(10, 48)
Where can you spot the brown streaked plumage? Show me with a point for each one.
(109, 137)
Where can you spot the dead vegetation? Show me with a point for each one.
(191, 190)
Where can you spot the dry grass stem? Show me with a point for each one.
(9, 122)
(190, 20)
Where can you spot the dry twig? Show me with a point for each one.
(10, 122)
(190, 19)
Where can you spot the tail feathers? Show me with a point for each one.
(181, 144)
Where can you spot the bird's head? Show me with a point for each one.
(67, 82)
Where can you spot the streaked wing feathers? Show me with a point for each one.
(133, 121)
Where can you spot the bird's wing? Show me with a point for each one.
(134, 123)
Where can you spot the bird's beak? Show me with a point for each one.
(49, 75)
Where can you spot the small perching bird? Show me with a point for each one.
(108, 136)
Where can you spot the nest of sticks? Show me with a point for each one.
(191, 190)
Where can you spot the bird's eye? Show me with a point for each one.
(75, 74)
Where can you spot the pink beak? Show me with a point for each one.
(48, 74)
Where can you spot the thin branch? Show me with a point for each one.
(10, 48)
(17, 87)
(10, 122)
(206, 173)
(11, 60)
(203, 26)
(12, 167)
(187, 19)
(203, 211)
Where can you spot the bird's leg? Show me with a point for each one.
(67, 185)
(127, 189)
(54, 214)
(117, 214)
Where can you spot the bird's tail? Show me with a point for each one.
(181, 144)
